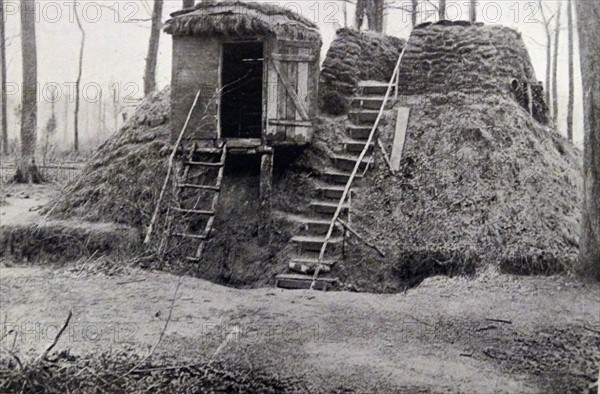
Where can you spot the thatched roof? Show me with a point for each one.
(237, 19)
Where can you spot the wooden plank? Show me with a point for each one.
(399, 137)
(285, 57)
(292, 79)
(285, 122)
(266, 189)
(302, 83)
(272, 99)
(290, 90)
(299, 43)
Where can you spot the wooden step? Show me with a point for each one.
(314, 242)
(193, 236)
(356, 146)
(317, 226)
(308, 268)
(300, 281)
(204, 164)
(204, 151)
(347, 162)
(369, 102)
(373, 88)
(331, 191)
(313, 261)
(327, 207)
(203, 187)
(359, 132)
(340, 177)
(194, 211)
(363, 116)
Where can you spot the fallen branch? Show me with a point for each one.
(499, 321)
(57, 337)
(385, 155)
(366, 242)
(131, 281)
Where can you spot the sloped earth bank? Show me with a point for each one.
(494, 333)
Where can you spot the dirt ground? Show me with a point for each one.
(493, 333)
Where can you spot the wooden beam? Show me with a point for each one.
(286, 57)
(284, 122)
(266, 188)
(399, 137)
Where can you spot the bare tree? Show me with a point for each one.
(152, 58)
(78, 81)
(414, 12)
(4, 98)
(555, 67)
(571, 72)
(27, 171)
(588, 23)
(373, 10)
(547, 22)
(473, 11)
(442, 10)
(188, 3)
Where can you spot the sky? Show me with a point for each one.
(117, 33)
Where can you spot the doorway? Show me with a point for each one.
(241, 98)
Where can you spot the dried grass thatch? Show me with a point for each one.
(241, 19)
(121, 182)
(481, 182)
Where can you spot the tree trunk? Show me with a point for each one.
(374, 11)
(442, 10)
(188, 3)
(414, 11)
(588, 23)
(152, 58)
(27, 171)
(570, 28)
(359, 13)
(555, 68)
(473, 11)
(3, 105)
(78, 82)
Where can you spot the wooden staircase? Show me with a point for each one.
(329, 190)
(198, 185)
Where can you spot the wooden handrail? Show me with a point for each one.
(169, 169)
(338, 210)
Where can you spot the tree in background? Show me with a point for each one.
(152, 58)
(373, 9)
(442, 10)
(588, 26)
(473, 11)
(188, 3)
(27, 171)
(51, 125)
(547, 22)
(414, 12)
(571, 72)
(78, 81)
(4, 99)
(555, 67)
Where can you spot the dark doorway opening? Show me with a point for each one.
(241, 98)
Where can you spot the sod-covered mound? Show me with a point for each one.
(480, 182)
(354, 56)
(122, 180)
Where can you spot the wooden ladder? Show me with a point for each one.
(185, 213)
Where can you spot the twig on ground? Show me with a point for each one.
(499, 320)
(591, 329)
(131, 281)
(369, 244)
(57, 337)
(160, 337)
(486, 328)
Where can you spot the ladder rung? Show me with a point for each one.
(194, 211)
(195, 236)
(194, 186)
(203, 164)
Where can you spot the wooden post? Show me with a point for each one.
(266, 188)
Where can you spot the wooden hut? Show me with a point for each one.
(256, 66)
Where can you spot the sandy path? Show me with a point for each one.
(365, 341)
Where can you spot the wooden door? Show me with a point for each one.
(291, 92)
